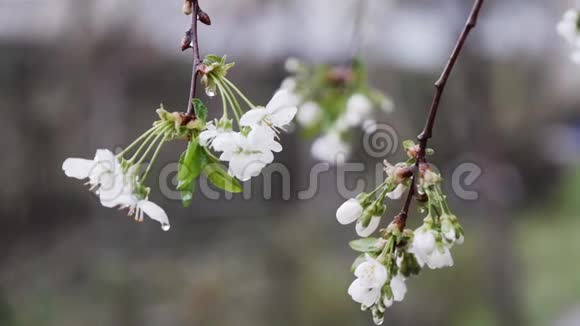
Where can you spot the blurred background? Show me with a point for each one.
(79, 75)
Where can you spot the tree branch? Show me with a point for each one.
(192, 33)
(427, 131)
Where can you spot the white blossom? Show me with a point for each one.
(215, 137)
(278, 112)
(398, 191)
(349, 211)
(358, 108)
(330, 148)
(440, 257)
(423, 244)
(309, 114)
(248, 155)
(371, 277)
(448, 230)
(568, 27)
(114, 185)
(292, 65)
(104, 164)
(398, 287)
(365, 231)
(288, 84)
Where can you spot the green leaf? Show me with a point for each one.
(408, 144)
(212, 58)
(200, 110)
(191, 164)
(218, 175)
(187, 195)
(365, 245)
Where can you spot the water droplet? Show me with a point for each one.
(165, 227)
(210, 92)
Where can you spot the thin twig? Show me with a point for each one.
(427, 131)
(356, 40)
(196, 58)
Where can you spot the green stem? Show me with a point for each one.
(153, 158)
(136, 141)
(231, 101)
(387, 249)
(150, 147)
(145, 142)
(210, 154)
(222, 95)
(371, 194)
(233, 98)
(250, 104)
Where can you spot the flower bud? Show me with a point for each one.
(413, 151)
(424, 241)
(186, 41)
(292, 65)
(349, 211)
(340, 75)
(428, 176)
(365, 231)
(203, 17)
(448, 230)
(187, 7)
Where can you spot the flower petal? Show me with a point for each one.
(283, 116)
(369, 229)
(155, 212)
(397, 192)
(78, 168)
(253, 117)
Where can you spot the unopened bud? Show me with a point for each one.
(413, 151)
(186, 41)
(187, 7)
(203, 17)
(340, 75)
(404, 173)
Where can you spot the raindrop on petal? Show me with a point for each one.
(209, 92)
(165, 227)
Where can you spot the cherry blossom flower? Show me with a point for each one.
(309, 114)
(371, 277)
(248, 155)
(216, 137)
(358, 108)
(99, 170)
(330, 148)
(278, 112)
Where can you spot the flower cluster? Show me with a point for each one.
(332, 101)
(386, 262)
(569, 29)
(119, 180)
(250, 148)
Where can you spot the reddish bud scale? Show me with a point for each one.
(203, 17)
(340, 75)
(186, 41)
